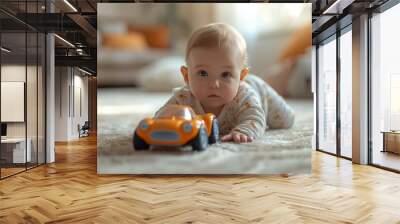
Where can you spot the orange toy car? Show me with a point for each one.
(177, 125)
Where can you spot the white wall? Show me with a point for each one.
(33, 126)
(82, 82)
(12, 73)
(62, 81)
(69, 85)
(80, 109)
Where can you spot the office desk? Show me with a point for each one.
(13, 150)
(391, 141)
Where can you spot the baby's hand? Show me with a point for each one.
(236, 137)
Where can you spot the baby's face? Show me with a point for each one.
(214, 75)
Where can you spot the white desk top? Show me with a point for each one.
(12, 140)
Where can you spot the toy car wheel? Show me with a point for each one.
(139, 143)
(200, 143)
(214, 136)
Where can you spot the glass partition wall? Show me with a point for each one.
(22, 98)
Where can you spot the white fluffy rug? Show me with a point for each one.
(120, 110)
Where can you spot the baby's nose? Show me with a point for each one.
(215, 83)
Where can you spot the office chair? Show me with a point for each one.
(84, 130)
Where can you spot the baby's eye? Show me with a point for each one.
(226, 75)
(202, 73)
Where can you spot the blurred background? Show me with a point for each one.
(143, 45)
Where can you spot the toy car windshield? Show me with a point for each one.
(177, 125)
(176, 111)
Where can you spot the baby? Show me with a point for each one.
(217, 82)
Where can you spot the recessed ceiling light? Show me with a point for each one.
(338, 6)
(84, 71)
(65, 41)
(70, 5)
(5, 49)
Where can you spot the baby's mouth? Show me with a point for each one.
(213, 95)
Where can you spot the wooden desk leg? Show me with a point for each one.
(384, 143)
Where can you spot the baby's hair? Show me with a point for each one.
(217, 35)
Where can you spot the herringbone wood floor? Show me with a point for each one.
(70, 191)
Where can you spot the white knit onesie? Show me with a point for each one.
(255, 108)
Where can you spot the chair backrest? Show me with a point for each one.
(86, 125)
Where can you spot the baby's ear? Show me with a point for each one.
(244, 73)
(185, 73)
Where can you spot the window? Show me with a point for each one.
(385, 88)
(346, 95)
(327, 96)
